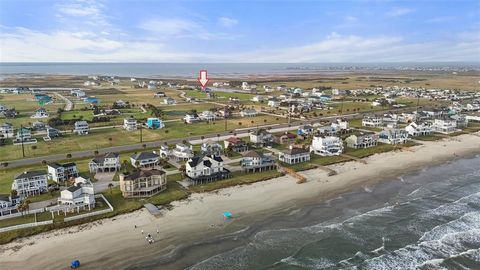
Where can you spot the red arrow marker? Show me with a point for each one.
(203, 79)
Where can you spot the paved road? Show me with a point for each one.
(68, 102)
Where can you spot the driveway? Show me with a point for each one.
(103, 179)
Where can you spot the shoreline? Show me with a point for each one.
(99, 243)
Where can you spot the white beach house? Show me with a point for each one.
(326, 146)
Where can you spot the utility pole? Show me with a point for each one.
(225, 117)
(21, 136)
(341, 108)
(141, 134)
(418, 102)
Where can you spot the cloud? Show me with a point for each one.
(82, 12)
(168, 28)
(350, 19)
(227, 22)
(23, 45)
(439, 19)
(399, 11)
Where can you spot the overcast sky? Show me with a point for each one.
(239, 31)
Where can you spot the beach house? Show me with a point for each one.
(169, 101)
(130, 124)
(273, 102)
(8, 204)
(390, 120)
(155, 123)
(207, 116)
(40, 113)
(284, 138)
(144, 160)
(294, 155)
(30, 183)
(191, 117)
(91, 100)
(362, 140)
(77, 93)
(3, 108)
(254, 161)
(340, 125)
(24, 135)
(210, 148)
(372, 121)
(261, 137)
(182, 152)
(61, 172)
(6, 131)
(257, 98)
(51, 133)
(143, 183)
(393, 136)
(248, 113)
(205, 169)
(460, 119)
(444, 126)
(326, 145)
(81, 193)
(236, 144)
(305, 130)
(81, 128)
(421, 129)
(109, 162)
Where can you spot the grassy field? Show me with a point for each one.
(111, 137)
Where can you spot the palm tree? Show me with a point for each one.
(125, 163)
(182, 169)
(110, 186)
(13, 193)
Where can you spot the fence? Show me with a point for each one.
(110, 209)
(7, 216)
(28, 225)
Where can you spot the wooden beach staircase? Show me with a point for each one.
(329, 171)
(300, 178)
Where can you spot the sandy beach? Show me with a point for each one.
(111, 243)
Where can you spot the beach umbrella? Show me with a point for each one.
(227, 215)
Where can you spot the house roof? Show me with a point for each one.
(58, 165)
(194, 161)
(74, 188)
(207, 163)
(254, 154)
(144, 155)
(30, 174)
(101, 159)
(216, 158)
(235, 140)
(143, 173)
(295, 151)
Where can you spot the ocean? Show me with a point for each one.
(423, 220)
(159, 70)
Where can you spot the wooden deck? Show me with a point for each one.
(153, 209)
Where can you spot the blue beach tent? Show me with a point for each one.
(227, 215)
(75, 264)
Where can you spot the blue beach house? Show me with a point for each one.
(43, 98)
(155, 123)
(91, 100)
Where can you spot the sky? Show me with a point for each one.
(240, 31)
